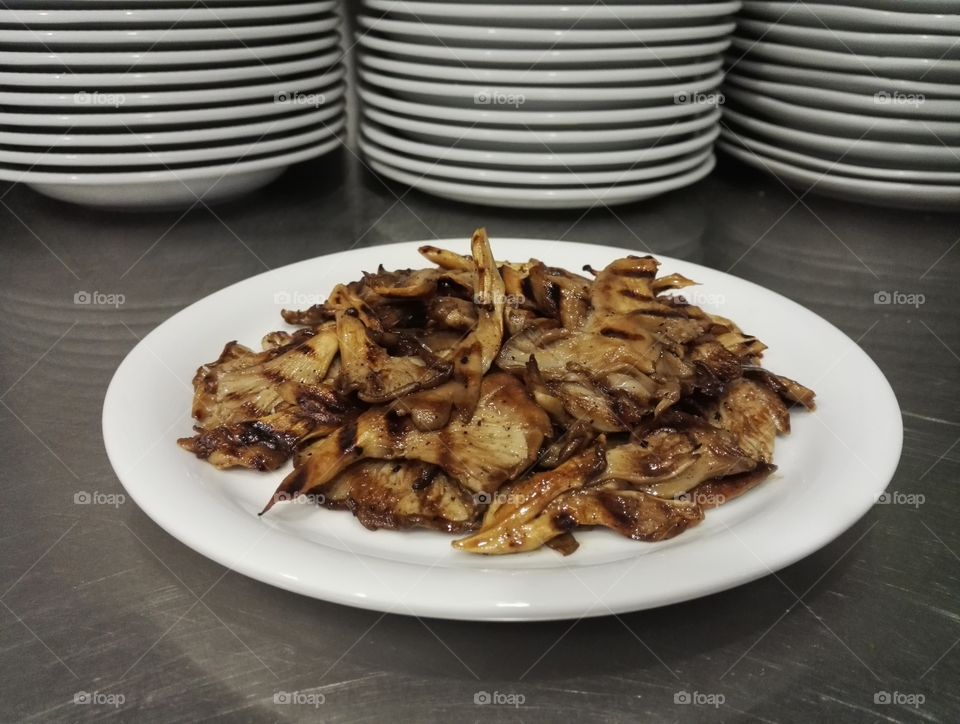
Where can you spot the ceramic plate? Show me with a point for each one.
(440, 33)
(542, 158)
(518, 117)
(532, 178)
(539, 57)
(938, 197)
(329, 555)
(177, 16)
(840, 17)
(475, 136)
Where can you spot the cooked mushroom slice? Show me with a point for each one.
(377, 376)
(242, 385)
(518, 503)
(754, 414)
(499, 442)
(404, 494)
(714, 493)
(452, 313)
(446, 259)
(788, 389)
(667, 463)
(631, 513)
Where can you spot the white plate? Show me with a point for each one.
(178, 16)
(150, 78)
(852, 125)
(169, 188)
(519, 197)
(581, 16)
(122, 98)
(920, 69)
(532, 178)
(206, 154)
(478, 114)
(535, 58)
(128, 121)
(557, 161)
(564, 76)
(439, 33)
(75, 60)
(475, 136)
(886, 154)
(885, 193)
(105, 39)
(539, 97)
(840, 17)
(911, 105)
(849, 82)
(151, 138)
(915, 45)
(815, 163)
(329, 555)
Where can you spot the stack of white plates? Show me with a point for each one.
(140, 103)
(536, 105)
(859, 99)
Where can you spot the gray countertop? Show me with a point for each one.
(97, 598)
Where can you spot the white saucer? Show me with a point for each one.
(74, 60)
(129, 121)
(530, 58)
(206, 154)
(149, 78)
(166, 188)
(440, 33)
(911, 45)
(514, 117)
(562, 76)
(539, 97)
(843, 17)
(816, 163)
(569, 15)
(920, 69)
(121, 98)
(116, 38)
(555, 161)
(532, 178)
(475, 136)
(862, 82)
(851, 125)
(885, 193)
(914, 105)
(216, 134)
(134, 16)
(544, 198)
